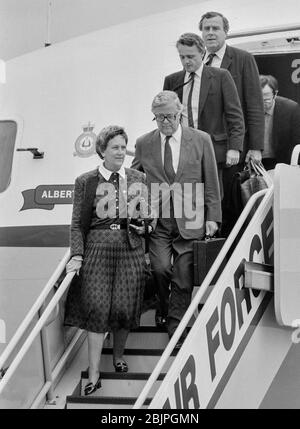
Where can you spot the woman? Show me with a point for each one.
(107, 251)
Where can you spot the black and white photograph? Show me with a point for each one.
(149, 207)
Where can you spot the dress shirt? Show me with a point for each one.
(107, 173)
(175, 142)
(218, 58)
(195, 97)
(119, 208)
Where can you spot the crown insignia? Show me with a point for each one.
(85, 144)
(88, 128)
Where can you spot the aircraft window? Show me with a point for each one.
(8, 132)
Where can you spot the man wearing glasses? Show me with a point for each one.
(180, 162)
(282, 124)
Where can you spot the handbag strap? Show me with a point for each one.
(254, 168)
(250, 167)
(263, 172)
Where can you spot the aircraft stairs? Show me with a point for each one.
(120, 390)
(232, 355)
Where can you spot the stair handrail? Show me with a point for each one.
(34, 309)
(200, 293)
(40, 323)
(295, 155)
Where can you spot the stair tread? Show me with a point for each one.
(143, 351)
(149, 328)
(123, 376)
(105, 399)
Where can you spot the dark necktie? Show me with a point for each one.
(114, 178)
(189, 102)
(181, 85)
(121, 202)
(168, 161)
(209, 59)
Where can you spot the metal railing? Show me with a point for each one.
(201, 292)
(44, 312)
(295, 155)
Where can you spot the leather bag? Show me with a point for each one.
(255, 182)
(205, 253)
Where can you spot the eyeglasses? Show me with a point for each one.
(170, 117)
(270, 97)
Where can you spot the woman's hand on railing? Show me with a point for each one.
(74, 264)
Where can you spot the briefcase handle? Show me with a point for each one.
(209, 237)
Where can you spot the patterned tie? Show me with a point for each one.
(168, 161)
(189, 102)
(209, 59)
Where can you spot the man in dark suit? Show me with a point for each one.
(242, 67)
(282, 124)
(179, 161)
(210, 101)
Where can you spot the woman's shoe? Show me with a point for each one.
(91, 387)
(121, 366)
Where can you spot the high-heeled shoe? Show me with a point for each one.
(121, 366)
(91, 387)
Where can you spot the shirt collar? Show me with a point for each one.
(220, 53)
(177, 135)
(107, 173)
(197, 72)
(270, 112)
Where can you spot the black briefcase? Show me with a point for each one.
(205, 253)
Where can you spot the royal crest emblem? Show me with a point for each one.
(85, 145)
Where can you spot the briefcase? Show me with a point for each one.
(205, 253)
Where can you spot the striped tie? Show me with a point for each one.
(209, 59)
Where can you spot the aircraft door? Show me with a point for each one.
(8, 133)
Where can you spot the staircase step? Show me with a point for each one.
(148, 318)
(138, 362)
(119, 384)
(144, 338)
(92, 402)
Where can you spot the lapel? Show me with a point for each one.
(205, 84)
(227, 59)
(89, 195)
(178, 84)
(275, 128)
(184, 152)
(156, 153)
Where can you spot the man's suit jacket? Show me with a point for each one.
(286, 128)
(197, 164)
(242, 67)
(219, 111)
(84, 195)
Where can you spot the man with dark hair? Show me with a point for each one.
(242, 67)
(210, 101)
(282, 124)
